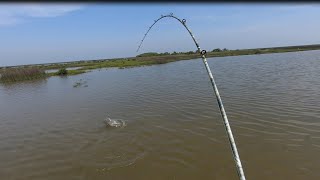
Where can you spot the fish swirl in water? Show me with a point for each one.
(115, 122)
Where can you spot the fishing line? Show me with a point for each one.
(215, 88)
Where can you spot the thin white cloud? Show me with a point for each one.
(12, 14)
(292, 7)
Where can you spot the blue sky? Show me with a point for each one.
(40, 33)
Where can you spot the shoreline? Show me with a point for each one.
(209, 54)
(147, 59)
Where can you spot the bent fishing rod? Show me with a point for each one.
(215, 88)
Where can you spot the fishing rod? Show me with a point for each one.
(215, 88)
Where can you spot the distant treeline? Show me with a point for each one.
(148, 54)
(33, 71)
(225, 51)
(172, 56)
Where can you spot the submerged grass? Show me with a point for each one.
(19, 74)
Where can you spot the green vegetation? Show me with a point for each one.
(148, 54)
(62, 72)
(145, 59)
(19, 74)
(75, 72)
(217, 50)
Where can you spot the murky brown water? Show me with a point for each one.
(51, 130)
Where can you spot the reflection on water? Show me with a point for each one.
(50, 130)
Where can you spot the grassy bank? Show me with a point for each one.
(30, 73)
(64, 72)
(162, 58)
(20, 74)
(36, 71)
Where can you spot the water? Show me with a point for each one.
(174, 130)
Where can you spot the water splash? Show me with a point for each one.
(114, 122)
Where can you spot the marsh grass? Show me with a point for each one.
(19, 74)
